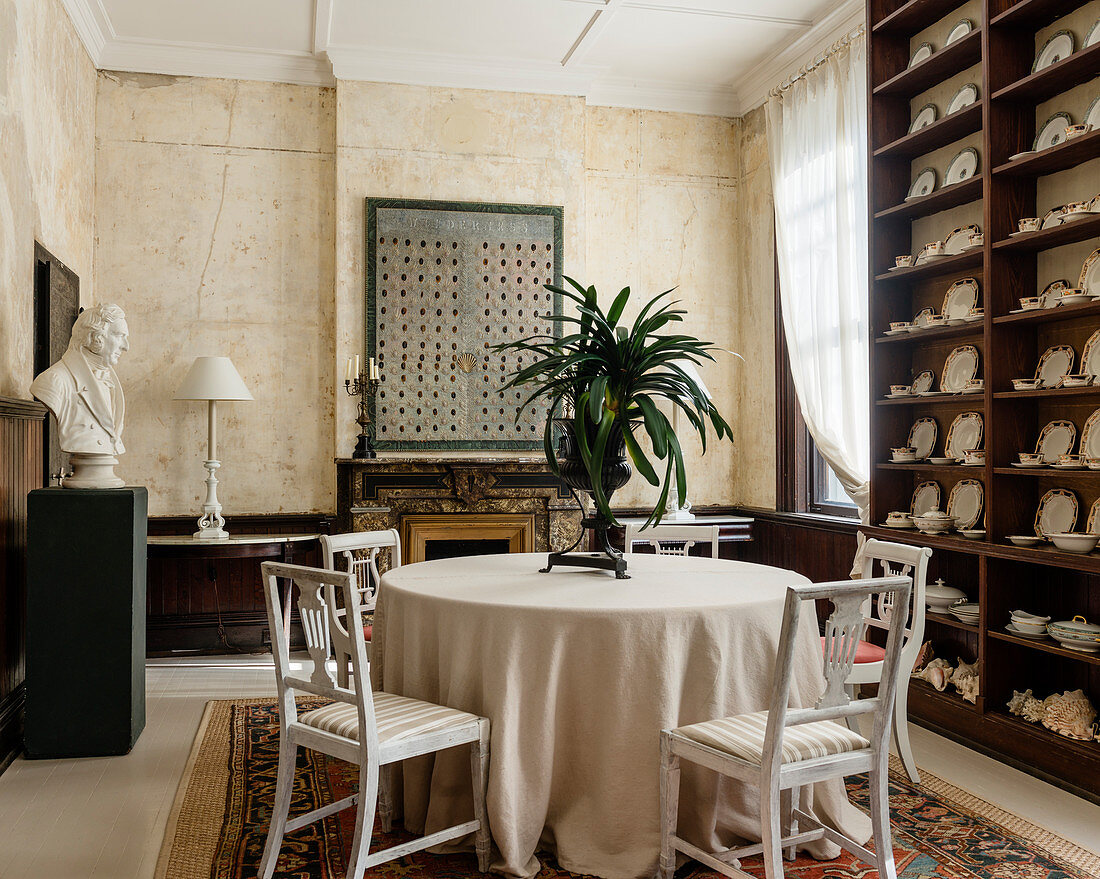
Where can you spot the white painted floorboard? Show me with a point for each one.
(104, 818)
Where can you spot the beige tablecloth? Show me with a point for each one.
(578, 672)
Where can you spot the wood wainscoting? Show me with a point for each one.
(22, 468)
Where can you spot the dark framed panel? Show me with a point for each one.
(445, 282)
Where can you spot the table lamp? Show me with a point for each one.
(212, 379)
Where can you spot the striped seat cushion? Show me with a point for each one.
(398, 717)
(743, 737)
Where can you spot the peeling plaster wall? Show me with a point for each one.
(47, 125)
(214, 231)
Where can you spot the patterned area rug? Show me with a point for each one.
(220, 817)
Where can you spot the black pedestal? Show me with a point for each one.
(86, 562)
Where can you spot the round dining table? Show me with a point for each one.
(578, 672)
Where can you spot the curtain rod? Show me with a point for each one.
(805, 71)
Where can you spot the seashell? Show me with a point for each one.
(1070, 714)
(937, 673)
(924, 656)
(965, 679)
(1016, 703)
(466, 361)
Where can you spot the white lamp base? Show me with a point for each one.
(679, 514)
(92, 471)
(211, 523)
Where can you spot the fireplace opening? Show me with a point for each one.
(450, 549)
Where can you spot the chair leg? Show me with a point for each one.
(479, 769)
(771, 832)
(364, 818)
(280, 808)
(853, 720)
(880, 822)
(901, 731)
(788, 802)
(670, 804)
(385, 797)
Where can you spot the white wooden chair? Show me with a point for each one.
(365, 567)
(783, 748)
(372, 730)
(894, 559)
(673, 539)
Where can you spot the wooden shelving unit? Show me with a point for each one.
(994, 572)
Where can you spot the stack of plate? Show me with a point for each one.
(1076, 634)
(965, 612)
(1028, 625)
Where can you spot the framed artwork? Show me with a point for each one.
(445, 282)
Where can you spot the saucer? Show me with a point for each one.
(1019, 464)
(1012, 630)
(1070, 466)
(1022, 155)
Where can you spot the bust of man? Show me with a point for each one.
(82, 389)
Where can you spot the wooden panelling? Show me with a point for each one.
(22, 466)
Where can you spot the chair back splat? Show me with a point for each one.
(673, 539)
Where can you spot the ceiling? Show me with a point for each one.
(702, 56)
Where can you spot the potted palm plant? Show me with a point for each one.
(602, 381)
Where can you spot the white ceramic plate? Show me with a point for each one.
(1090, 355)
(1022, 155)
(1089, 280)
(1092, 114)
(1093, 36)
(923, 381)
(961, 297)
(923, 53)
(960, 367)
(1056, 439)
(1052, 293)
(1012, 630)
(1090, 436)
(962, 167)
(925, 117)
(965, 503)
(1056, 362)
(957, 241)
(923, 318)
(1057, 513)
(960, 30)
(1093, 525)
(1057, 48)
(964, 97)
(965, 433)
(1053, 217)
(922, 437)
(923, 184)
(1053, 131)
(926, 497)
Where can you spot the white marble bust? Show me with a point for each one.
(83, 392)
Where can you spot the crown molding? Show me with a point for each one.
(221, 62)
(92, 25)
(701, 99)
(752, 89)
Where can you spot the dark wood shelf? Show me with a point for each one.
(1089, 751)
(973, 328)
(1049, 393)
(949, 696)
(1045, 315)
(940, 200)
(1055, 236)
(1048, 472)
(945, 63)
(939, 134)
(949, 621)
(1066, 155)
(975, 400)
(915, 15)
(1047, 646)
(924, 465)
(1079, 67)
(949, 542)
(946, 266)
(1033, 14)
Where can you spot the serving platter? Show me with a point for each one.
(964, 97)
(960, 30)
(1052, 293)
(1054, 365)
(922, 437)
(923, 184)
(1092, 526)
(1053, 217)
(1090, 356)
(1057, 48)
(1089, 279)
(962, 167)
(965, 502)
(925, 117)
(959, 368)
(923, 53)
(960, 299)
(923, 381)
(1052, 132)
(1057, 513)
(1055, 440)
(926, 497)
(959, 239)
(1092, 114)
(922, 319)
(964, 433)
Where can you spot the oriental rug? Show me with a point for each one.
(219, 821)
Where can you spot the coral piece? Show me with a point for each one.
(1070, 714)
(1025, 705)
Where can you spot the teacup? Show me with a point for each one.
(898, 517)
(1030, 458)
(904, 454)
(1094, 463)
(1076, 380)
(933, 248)
(975, 384)
(1078, 207)
(1073, 131)
(1030, 224)
(975, 239)
(901, 390)
(903, 262)
(1069, 460)
(1030, 302)
(1025, 384)
(974, 456)
(897, 325)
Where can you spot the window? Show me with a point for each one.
(804, 482)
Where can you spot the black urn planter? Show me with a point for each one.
(614, 474)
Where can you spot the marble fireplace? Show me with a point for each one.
(446, 506)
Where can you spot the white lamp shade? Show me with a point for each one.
(213, 378)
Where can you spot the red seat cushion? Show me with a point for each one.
(865, 652)
(368, 629)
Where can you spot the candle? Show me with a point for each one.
(357, 373)
(347, 371)
(373, 375)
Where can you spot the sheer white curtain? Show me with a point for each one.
(817, 137)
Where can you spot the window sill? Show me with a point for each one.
(813, 520)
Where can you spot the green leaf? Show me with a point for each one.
(597, 393)
(616, 310)
(638, 457)
(656, 425)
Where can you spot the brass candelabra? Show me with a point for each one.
(364, 386)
